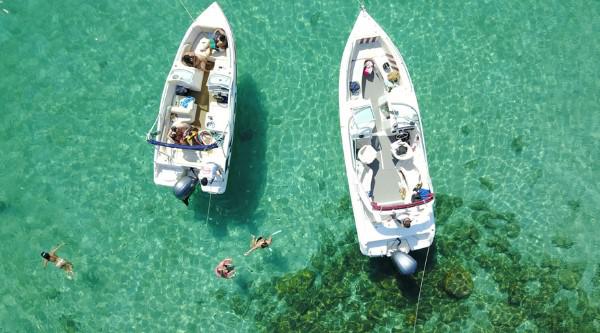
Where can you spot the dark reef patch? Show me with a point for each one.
(517, 144)
(487, 183)
(445, 205)
(341, 290)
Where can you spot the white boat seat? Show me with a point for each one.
(367, 154)
(186, 115)
(365, 177)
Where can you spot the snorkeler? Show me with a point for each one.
(58, 261)
(225, 269)
(259, 243)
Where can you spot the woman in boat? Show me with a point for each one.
(200, 62)
(178, 134)
(259, 243)
(58, 261)
(225, 269)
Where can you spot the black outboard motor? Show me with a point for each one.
(405, 264)
(184, 188)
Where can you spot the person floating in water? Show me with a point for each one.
(259, 243)
(225, 269)
(58, 261)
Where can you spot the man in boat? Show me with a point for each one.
(209, 172)
(58, 261)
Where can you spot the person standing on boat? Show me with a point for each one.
(209, 171)
(58, 261)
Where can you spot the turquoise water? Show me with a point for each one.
(509, 94)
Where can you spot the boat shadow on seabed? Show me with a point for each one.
(382, 268)
(248, 169)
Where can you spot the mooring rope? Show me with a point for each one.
(420, 288)
(182, 5)
(208, 211)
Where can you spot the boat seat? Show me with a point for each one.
(186, 48)
(367, 154)
(185, 114)
(402, 151)
(365, 177)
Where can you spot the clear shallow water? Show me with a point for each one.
(509, 97)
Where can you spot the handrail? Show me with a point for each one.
(376, 206)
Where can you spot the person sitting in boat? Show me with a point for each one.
(259, 243)
(177, 134)
(58, 261)
(368, 69)
(209, 171)
(219, 39)
(406, 222)
(191, 136)
(225, 269)
(420, 193)
(201, 62)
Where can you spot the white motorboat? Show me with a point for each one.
(384, 148)
(193, 132)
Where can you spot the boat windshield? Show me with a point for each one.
(363, 121)
(404, 115)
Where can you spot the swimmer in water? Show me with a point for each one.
(225, 269)
(58, 261)
(259, 243)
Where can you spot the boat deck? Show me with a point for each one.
(387, 181)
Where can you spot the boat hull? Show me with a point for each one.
(384, 185)
(213, 94)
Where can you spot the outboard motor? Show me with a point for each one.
(405, 264)
(184, 188)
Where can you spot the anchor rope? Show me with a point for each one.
(184, 7)
(420, 288)
(208, 211)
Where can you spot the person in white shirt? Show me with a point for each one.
(209, 172)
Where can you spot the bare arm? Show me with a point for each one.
(53, 251)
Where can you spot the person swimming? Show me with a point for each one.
(259, 243)
(58, 261)
(225, 269)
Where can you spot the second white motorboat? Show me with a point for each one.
(384, 148)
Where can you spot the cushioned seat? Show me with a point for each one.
(367, 154)
(185, 113)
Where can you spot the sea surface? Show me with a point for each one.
(509, 93)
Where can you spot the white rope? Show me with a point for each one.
(420, 287)
(208, 211)
(182, 5)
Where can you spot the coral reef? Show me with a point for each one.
(341, 290)
(457, 282)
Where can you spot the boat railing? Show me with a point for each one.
(153, 134)
(379, 207)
